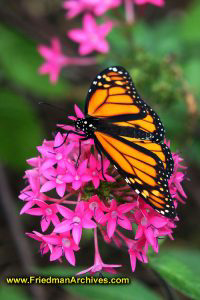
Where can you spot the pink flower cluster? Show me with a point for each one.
(91, 37)
(68, 197)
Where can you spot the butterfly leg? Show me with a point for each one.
(99, 151)
(79, 151)
(68, 132)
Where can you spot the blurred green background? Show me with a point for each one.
(162, 53)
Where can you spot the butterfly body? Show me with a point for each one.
(89, 125)
(131, 135)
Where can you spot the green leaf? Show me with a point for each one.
(181, 269)
(191, 71)
(8, 292)
(151, 38)
(190, 24)
(20, 129)
(133, 291)
(20, 61)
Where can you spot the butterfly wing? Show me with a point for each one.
(141, 163)
(113, 97)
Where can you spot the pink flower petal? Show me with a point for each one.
(76, 184)
(132, 260)
(111, 226)
(86, 48)
(70, 257)
(60, 189)
(56, 253)
(78, 112)
(63, 226)
(76, 233)
(89, 23)
(27, 206)
(65, 212)
(96, 182)
(35, 211)
(80, 207)
(49, 185)
(102, 46)
(87, 223)
(83, 166)
(45, 222)
(77, 35)
(125, 223)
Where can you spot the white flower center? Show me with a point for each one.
(58, 179)
(66, 242)
(59, 156)
(93, 205)
(76, 220)
(48, 211)
(94, 38)
(114, 214)
(77, 177)
(94, 173)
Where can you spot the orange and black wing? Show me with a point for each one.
(143, 165)
(113, 97)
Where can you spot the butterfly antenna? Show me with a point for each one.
(51, 105)
(54, 106)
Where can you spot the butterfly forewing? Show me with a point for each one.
(113, 96)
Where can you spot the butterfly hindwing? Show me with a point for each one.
(142, 169)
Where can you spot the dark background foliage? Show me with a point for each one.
(161, 51)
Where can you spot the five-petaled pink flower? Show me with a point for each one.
(62, 244)
(45, 247)
(94, 205)
(75, 220)
(48, 213)
(55, 60)
(77, 176)
(55, 179)
(56, 153)
(115, 215)
(92, 36)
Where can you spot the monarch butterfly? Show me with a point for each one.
(130, 134)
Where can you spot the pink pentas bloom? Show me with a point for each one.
(98, 7)
(116, 215)
(44, 246)
(154, 2)
(95, 207)
(77, 177)
(62, 244)
(47, 211)
(92, 36)
(75, 220)
(55, 154)
(32, 192)
(55, 180)
(67, 188)
(55, 60)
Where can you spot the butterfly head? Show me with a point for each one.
(84, 125)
